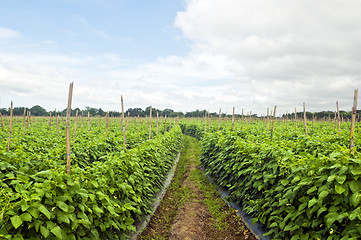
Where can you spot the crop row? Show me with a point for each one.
(107, 191)
(299, 187)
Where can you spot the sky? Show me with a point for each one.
(181, 54)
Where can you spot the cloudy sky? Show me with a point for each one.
(181, 54)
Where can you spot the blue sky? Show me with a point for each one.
(181, 54)
(138, 30)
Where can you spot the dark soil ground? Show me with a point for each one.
(183, 213)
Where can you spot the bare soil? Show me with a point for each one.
(190, 219)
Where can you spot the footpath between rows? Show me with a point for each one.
(192, 208)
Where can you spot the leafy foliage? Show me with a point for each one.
(299, 187)
(105, 194)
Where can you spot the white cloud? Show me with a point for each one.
(6, 33)
(250, 54)
(281, 52)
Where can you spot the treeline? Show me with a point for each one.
(134, 112)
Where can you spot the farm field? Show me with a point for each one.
(298, 186)
(107, 190)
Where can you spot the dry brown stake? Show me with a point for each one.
(68, 128)
(11, 125)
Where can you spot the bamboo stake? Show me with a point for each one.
(267, 119)
(76, 124)
(219, 119)
(29, 121)
(98, 122)
(313, 120)
(205, 122)
(11, 125)
(338, 117)
(106, 124)
(2, 124)
(304, 118)
(295, 119)
(250, 117)
(157, 123)
(57, 125)
(124, 143)
(50, 121)
(88, 123)
(354, 111)
(233, 120)
(68, 129)
(150, 123)
(81, 122)
(165, 123)
(335, 121)
(273, 121)
(24, 120)
(242, 119)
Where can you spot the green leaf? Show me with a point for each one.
(44, 211)
(26, 217)
(341, 179)
(254, 220)
(128, 206)
(354, 186)
(355, 199)
(16, 221)
(312, 189)
(312, 202)
(44, 231)
(323, 194)
(57, 232)
(321, 210)
(63, 218)
(63, 206)
(331, 218)
(34, 212)
(339, 189)
(331, 178)
(356, 171)
(284, 182)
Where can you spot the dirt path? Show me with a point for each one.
(193, 218)
(190, 210)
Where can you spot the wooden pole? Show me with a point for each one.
(2, 124)
(267, 119)
(29, 121)
(295, 119)
(157, 123)
(233, 120)
(242, 119)
(76, 124)
(124, 143)
(106, 124)
(11, 125)
(304, 118)
(150, 123)
(165, 123)
(205, 122)
(273, 121)
(49, 120)
(98, 122)
(354, 111)
(313, 120)
(338, 117)
(68, 128)
(88, 123)
(219, 119)
(57, 125)
(24, 120)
